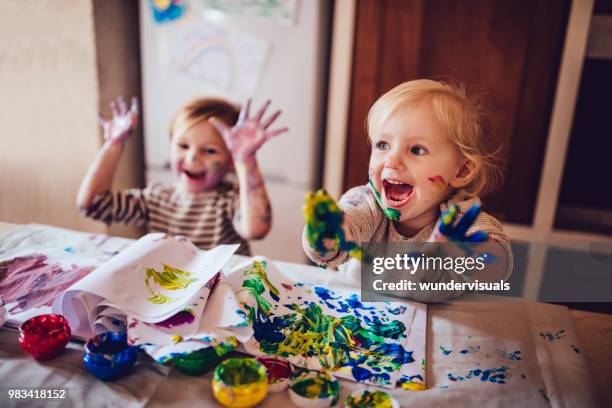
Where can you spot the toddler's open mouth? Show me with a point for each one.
(195, 176)
(396, 193)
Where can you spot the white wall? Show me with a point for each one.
(52, 85)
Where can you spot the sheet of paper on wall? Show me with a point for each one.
(319, 328)
(167, 10)
(283, 12)
(39, 262)
(231, 61)
(154, 279)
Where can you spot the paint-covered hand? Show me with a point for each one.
(449, 229)
(249, 133)
(121, 126)
(324, 231)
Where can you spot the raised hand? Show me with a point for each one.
(449, 230)
(249, 133)
(123, 122)
(323, 219)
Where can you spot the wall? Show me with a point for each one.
(48, 109)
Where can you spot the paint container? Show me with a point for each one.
(413, 386)
(197, 362)
(370, 399)
(311, 389)
(108, 356)
(240, 382)
(44, 336)
(279, 372)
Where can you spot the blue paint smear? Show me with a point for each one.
(494, 375)
(445, 351)
(514, 356)
(548, 335)
(397, 310)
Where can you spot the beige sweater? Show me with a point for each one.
(366, 223)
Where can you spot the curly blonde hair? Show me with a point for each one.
(461, 119)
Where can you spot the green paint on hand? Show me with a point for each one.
(323, 219)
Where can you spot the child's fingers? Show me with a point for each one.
(448, 216)
(261, 112)
(478, 236)
(220, 126)
(271, 119)
(122, 105)
(269, 135)
(134, 106)
(114, 108)
(103, 122)
(467, 220)
(244, 112)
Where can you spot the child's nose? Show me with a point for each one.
(191, 156)
(394, 161)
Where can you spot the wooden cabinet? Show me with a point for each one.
(506, 51)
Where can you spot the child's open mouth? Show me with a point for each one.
(195, 176)
(396, 193)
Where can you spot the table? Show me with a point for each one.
(462, 337)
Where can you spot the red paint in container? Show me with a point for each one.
(44, 336)
(279, 371)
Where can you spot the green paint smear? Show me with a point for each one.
(169, 279)
(323, 219)
(391, 213)
(319, 386)
(240, 371)
(257, 286)
(367, 399)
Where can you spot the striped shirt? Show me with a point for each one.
(207, 218)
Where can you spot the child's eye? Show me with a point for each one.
(418, 150)
(183, 146)
(382, 145)
(209, 150)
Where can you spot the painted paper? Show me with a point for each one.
(38, 263)
(318, 328)
(281, 11)
(231, 61)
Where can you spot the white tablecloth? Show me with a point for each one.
(564, 360)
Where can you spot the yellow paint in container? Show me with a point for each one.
(240, 382)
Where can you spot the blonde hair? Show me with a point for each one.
(200, 110)
(460, 118)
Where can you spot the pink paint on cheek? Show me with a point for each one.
(438, 182)
(177, 166)
(215, 171)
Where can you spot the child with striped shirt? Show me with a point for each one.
(209, 139)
